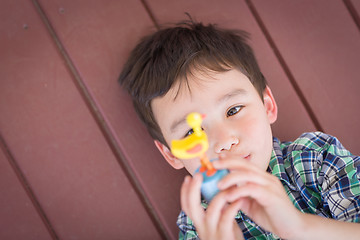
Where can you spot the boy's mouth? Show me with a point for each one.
(247, 157)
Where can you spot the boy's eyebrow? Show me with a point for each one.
(177, 123)
(236, 92)
(182, 120)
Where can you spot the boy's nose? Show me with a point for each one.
(225, 143)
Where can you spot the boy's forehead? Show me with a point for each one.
(197, 79)
(197, 82)
(173, 99)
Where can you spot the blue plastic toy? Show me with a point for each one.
(209, 186)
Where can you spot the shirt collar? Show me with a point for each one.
(277, 165)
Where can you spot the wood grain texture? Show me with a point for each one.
(321, 46)
(75, 137)
(19, 218)
(58, 144)
(99, 56)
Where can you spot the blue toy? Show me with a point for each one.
(209, 186)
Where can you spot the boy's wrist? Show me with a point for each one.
(300, 227)
(310, 226)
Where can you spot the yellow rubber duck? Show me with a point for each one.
(194, 145)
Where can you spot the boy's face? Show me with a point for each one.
(237, 121)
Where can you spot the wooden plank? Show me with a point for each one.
(56, 141)
(19, 219)
(235, 14)
(98, 37)
(354, 10)
(321, 45)
(356, 4)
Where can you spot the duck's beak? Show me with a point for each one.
(203, 116)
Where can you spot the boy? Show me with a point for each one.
(274, 190)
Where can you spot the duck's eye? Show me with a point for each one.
(234, 110)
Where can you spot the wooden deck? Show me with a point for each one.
(75, 161)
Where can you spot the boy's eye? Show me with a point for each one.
(191, 131)
(234, 110)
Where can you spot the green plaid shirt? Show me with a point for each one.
(319, 175)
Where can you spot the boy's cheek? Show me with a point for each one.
(191, 165)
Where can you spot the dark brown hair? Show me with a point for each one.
(170, 54)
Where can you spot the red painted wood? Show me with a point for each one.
(56, 141)
(235, 14)
(59, 147)
(18, 217)
(356, 4)
(98, 35)
(321, 45)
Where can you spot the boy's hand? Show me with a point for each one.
(261, 197)
(218, 220)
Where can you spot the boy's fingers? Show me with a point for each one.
(236, 164)
(183, 193)
(255, 191)
(242, 177)
(263, 195)
(214, 209)
(191, 197)
(226, 222)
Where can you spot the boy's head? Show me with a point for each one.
(171, 54)
(174, 62)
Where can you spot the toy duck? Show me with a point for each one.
(194, 145)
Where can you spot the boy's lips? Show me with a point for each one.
(246, 157)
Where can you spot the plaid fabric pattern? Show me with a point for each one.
(319, 175)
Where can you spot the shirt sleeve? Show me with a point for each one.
(187, 228)
(339, 180)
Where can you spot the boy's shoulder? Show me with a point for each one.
(315, 142)
(313, 152)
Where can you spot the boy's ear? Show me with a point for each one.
(170, 158)
(270, 105)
